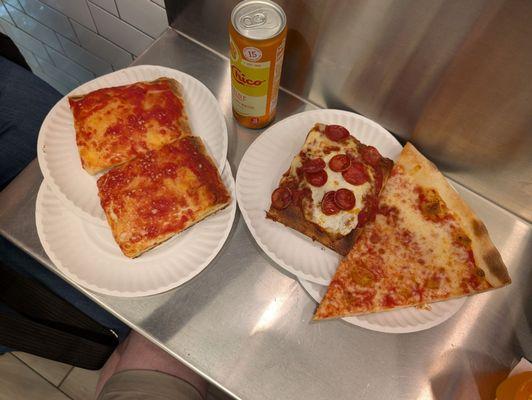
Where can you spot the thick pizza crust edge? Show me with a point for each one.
(486, 254)
(143, 247)
(292, 217)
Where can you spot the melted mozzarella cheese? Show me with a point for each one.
(344, 221)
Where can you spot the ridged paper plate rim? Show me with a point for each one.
(172, 254)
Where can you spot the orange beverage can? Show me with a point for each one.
(257, 36)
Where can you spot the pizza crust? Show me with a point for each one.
(487, 257)
(143, 247)
(294, 218)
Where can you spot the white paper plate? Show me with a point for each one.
(404, 320)
(88, 255)
(58, 154)
(259, 173)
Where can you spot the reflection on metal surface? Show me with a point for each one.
(273, 311)
(452, 76)
(212, 322)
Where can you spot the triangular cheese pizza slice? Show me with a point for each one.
(424, 245)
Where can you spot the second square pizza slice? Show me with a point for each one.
(160, 194)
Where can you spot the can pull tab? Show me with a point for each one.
(253, 19)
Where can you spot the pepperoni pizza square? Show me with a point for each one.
(161, 193)
(114, 125)
(331, 187)
(424, 245)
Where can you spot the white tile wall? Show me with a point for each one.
(120, 32)
(108, 5)
(4, 14)
(33, 27)
(14, 3)
(84, 57)
(75, 9)
(145, 15)
(67, 42)
(55, 73)
(70, 67)
(49, 17)
(102, 47)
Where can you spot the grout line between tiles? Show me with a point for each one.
(75, 33)
(105, 37)
(10, 16)
(117, 9)
(58, 67)
(58, 386)
(92, 17)
(90, 52)
(60, 43)
(66, 376)
(37, 372)
(158, 5)
(122, 20)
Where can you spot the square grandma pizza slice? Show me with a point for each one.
(425, 245)
(331, 187)
(161, 193)
(114, 125)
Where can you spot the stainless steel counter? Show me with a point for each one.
(245, 324)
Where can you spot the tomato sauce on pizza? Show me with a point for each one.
(114, 125)
(424, 245)
(161, 193)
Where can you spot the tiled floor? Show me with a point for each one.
(27, 377)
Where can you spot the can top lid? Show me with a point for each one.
(258, 19)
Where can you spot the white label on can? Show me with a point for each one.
(248, 106)
(252, 53)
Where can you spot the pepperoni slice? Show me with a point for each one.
(281, 198)
(336, 133)
(344, 199)
(339, 162)
(313, 165)
(371, 155)
(328, 205)
(317, 178)
(355, 174)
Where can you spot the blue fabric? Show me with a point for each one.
(24, 102)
